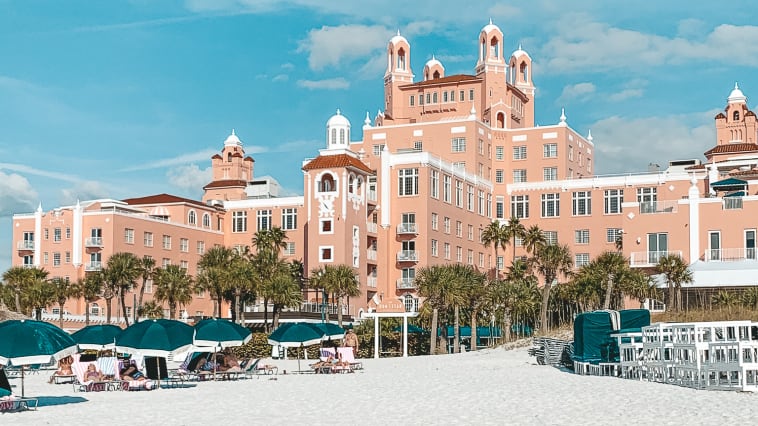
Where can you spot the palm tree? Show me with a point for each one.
(242, 279)
(283, 291)
(473, 288)
(152, 310)
(549, 261)
(750, 298)
(534, 238)
(121, 273)
(15, 278)
(213, 276)
(62, 290)
(174, 287)
(38, 292)
(676, 272)
(146, 270)
(269, 244)
(89, 289)
(495, 234)
(514, 230)
(725, 299)
(430, 281)
(338, 280)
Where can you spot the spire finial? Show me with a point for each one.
(490, 20)
(232, 131)
(398, 31)
(519, 46)
(589, 135)
(472, 113)
(367, 121)
(338, 112)
(432, 56)
(563, 115)
(736, 86)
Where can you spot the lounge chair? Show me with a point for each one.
(81, 384)
(347, 356)
(255, 367)
(11, 403)
(136, 385)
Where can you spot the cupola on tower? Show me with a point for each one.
(398, 71)
(338, 132)
(737, 124)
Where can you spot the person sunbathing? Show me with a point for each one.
(93, 375)
(230, 363)
(131, 372)
(64, 368)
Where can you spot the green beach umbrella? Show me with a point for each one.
(330, 330)
(97, 336)
(213, 332)
(156, 337)
(26, 342)
(296, 335)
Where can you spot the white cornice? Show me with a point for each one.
(600, 182)
(427, 159)
(254, 203)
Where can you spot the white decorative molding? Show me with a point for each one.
(550, 135)
(378, 136)
(418, 132)
(427, 159)
(458, 129)
(518, 138)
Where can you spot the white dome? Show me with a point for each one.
(432, 62)
(338, 120)
(233, 140)
(737, 95)
(489, 27)
(398, 38)
(520, 52)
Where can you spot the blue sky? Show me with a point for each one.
(129, 98)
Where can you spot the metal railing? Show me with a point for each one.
(371, 194)
(729, 254)
(371, 227)
(371, 254)
(314, 307)
(407, 228)
(371, 282)
(650, 258)
(405, 283)
(93, 242)
(407, 256)
(93, 266)
(732, 203)
(661, 206)
(25, 245)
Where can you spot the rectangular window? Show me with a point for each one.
(480, 197)
(571, 153)
(481, 260)
(551, 205)
(447, 251)
(647, 195)
(489, 205)
(418, 145)
(461, 95)
(499, 207)
(500, 262)
(444, 96)
(470, 203)
(326, 226)
(239, 221)
(407, 182)
(750, 244)
(56, 259)
(377, 149)
(470, 257)
(289, 219)
(147, 239)
(167, 242)
(613, 199)
(499, 152)
(519, 152)
(458, 254)
(520, 206)
(184, 264)
(471, 94)
(428, 98)
(68, 232)
(582, 236)
(446, 224)
(201, 247)
(434, 184)
(166, 261)
(68, 257)
(435, 253)
(551, 237)
(471, 232)
(550, 150)
(57, 235)
(459, 144)
(498, 175)
(459, 165)
(550, 173)
(458, 193)
(184, 245)
(47, 234)
(481, 147)
(46, 258)
(413, 100)
(459, 229)
(325, 254)
(446, 182)
(435, 221)
(657, 247)
(264, 220)
(290, 249)
(129, 236)
(582, 259)
(421, 99)
(519, 175)
(612, 234)
(581, 203)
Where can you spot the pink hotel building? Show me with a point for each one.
(446, 156)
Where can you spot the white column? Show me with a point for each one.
(376, 337)
(384, 186)
(38, 235)
(345, 185)
(694, 200)
(405, 336)
(77, 237)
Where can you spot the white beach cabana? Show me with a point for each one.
(389, 308)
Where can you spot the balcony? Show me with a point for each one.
(407, 256)
(93, 266)
(729, 255)
(371, 227)
(371, 254)
(407, 228)
(651, 207)
(644, 259)
(371, 282)
(93, 242)
(26, 245)
(371, 196)
(406, 283)
(732, 203)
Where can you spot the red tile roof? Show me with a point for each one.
(248, 158)
(226, 183)
(457, 78)
(217, 157)
(731, 148)
(338, 160)
(161, 199)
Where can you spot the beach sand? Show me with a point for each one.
(492, 386)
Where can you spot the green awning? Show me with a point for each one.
(736, 194)
(729, 183)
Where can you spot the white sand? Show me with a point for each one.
(487, 387)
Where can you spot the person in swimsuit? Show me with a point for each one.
(92, 375)
(132, 373)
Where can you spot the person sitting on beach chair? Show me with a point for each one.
(64, 369)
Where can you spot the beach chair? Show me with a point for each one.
(134, 385)
(81, 384)
(256, 367)
(11, 403)
(347, 355)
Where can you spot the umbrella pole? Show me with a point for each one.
(22, 381)
(298, 359)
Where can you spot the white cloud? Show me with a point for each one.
(191, 157)
(24, 169)
(632, 89)
(280, 77)
(599, 47)
(289, 66)
(334, 46)
(338, 83)
(16, 194)
(189, 177)
(630, 144)
(86, 190)
(579, 92)
(302, 145)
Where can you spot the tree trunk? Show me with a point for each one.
(275, 320)
(497, 267)
(122, 296)
(672, 296)
(265, 313)
(456, 332)
(339, 311)
(473, 345)
(86, 312)
(506, 325)
(172, 310)
(545, 301)
(108, 309)
(608, 291)
(60, 313)
(18, 300)
(219, 302)
(237, 308)
(433, 338)
(141, 295)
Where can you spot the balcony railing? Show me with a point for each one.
(650, 258)
(93, 266)
(729, 254)
(371, 194)
(93, 242)
(407, 256)
(371, 254)
(732, 203)
(371, 282)
(407, 228)
(26, 245)
(371, 227)
(405, 283)
(667, 206)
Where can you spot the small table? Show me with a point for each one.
(64, 379)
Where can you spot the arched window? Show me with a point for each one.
(359, 185)
(206, 220)
(94, 309)
(495, 48)
(342, 136)
(401, 59)
(434, 97)
(350, 182)
(229, 157)
(500, 120)
(524, 69)
(411, 303)
(736, 116)
(426, 75)
(483, 50)
(327, 183)
(334, 136)
(436, 74)
(192, 217)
